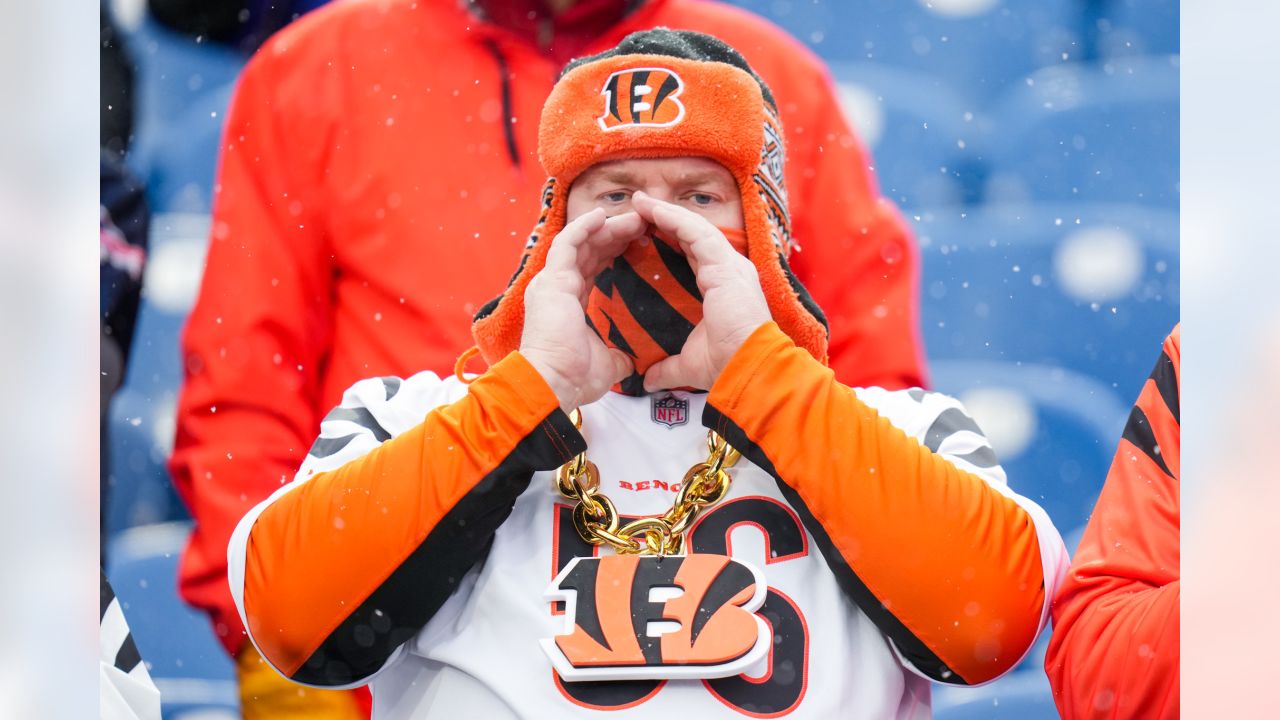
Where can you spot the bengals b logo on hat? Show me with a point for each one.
(642, 97)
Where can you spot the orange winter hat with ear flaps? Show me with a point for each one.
(664, 93)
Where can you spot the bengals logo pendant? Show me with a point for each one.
(634, 617)
(645, 97)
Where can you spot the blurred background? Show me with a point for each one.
(1032, 144)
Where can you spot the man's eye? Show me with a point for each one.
(616, 196)
(701, 199)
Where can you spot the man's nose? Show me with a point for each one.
(661, 192)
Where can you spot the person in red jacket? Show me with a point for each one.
(380, 157)
(1115, 645)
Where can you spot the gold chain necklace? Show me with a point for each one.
(596, 518)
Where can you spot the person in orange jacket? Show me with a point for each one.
(1115, 645)
(379, 161)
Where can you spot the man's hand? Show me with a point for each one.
(733, 305)
(557, 340)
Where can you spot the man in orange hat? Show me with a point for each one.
(556, 537)
(374, 184)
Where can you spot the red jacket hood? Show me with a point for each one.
(561, 37)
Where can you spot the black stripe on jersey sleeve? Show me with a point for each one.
(107, 594)
(1138, 431)
(362, 417)
(911, 647)
(1166, 379)
(324, 447)
(415, 590)
(948, 423)
(983, 457)
(128, 658)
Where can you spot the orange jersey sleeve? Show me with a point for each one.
(1115, 645)
(952, 568)
(333, 577)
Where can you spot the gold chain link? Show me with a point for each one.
(596, 519)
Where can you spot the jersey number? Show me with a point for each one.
(782, 686)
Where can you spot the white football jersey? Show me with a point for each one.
(481, 653)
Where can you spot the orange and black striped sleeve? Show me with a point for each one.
(1115, 646)
(335, 571)
(951, 566)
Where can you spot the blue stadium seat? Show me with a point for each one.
(183, 88)
(917, 128)
(1054, 430)
(1136, 27)
(1020, 695)
(976, 46)
(1089, 133)
(1072, 539)
(141, 417)
(1090, 288)
(175, 263)
(182, 91)
(141, 492)
(194, 674)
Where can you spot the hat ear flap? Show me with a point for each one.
(789, 302)
(769, 242)
(498, 325)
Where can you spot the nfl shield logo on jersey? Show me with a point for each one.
(669, 410)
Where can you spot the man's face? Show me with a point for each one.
(699, 184)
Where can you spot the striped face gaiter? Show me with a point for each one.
(648, 302)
